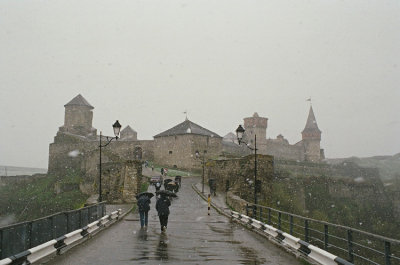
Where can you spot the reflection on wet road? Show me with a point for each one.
(192, 237)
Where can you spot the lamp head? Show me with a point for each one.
(239, 133)
(117, 128)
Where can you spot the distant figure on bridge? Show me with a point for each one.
(209, 203)
(144, 208)
(158, 185)
(162, 207)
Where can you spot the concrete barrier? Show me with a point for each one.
(92, 227)
(41, 251)
(5, 261)
(322, 256)
(72, 237)
(115, 214)
(53, 247)
(312, 252)
(291, 241)
(104, 220)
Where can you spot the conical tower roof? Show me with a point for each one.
(187, 127)
(311, 125)
(79, 101)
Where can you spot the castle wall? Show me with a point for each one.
(283, 150)
(121, 181)
(65, 156)
(359, 201)
(179, 150)
(238, 175)
(74, 152)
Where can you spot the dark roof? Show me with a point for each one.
(311, 125)
(187, 127)
(79, 101)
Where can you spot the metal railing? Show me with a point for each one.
(22, 236)
(351, 244)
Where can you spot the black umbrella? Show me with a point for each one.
(166, 193)
(148, 194)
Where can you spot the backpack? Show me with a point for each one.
(163, 206)
(143, 204)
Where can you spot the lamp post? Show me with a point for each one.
(239, 133)
(117, 128)
(197, 156)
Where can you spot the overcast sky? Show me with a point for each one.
(146, 62)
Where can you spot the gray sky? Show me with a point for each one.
(146, 62)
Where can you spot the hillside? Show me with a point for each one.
(388, 166)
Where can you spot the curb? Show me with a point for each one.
(296, 245)
(216, 207)
(258, 231)
(60, 245)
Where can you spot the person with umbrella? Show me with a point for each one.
(143, 203)
(162, 207)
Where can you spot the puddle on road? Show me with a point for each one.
(251, 256)
(221, 230)
(142, 235)
(233, 242)
(162, 248)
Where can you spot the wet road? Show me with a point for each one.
(192, 237)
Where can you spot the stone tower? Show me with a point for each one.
(128, 134)
(256, 125)
(312, 138)
(78, 118)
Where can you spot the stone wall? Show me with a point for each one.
(348, 169)
(78, 120)
(285, 150)
(357, 198)
(237, 203)
(179, 150)
(74, 152)
(121, 181)
(237, 175)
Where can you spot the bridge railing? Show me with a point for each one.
(353, 245)
(19, 237)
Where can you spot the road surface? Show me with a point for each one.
(192, 237)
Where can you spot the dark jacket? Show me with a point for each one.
(144, 204)
(162, 205)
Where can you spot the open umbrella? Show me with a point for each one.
(166, 193)
(148, 194)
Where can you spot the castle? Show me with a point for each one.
(308, 149)
(76, 144)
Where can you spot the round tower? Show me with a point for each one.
(311, 136)
(256, 125)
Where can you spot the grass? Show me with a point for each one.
(174, 172)
(144, 186)
(38, 198)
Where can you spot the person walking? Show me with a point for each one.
(144, 208)
(209, 203)
(158, 185)
(162, 207)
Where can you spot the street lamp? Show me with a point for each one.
(203, 156)
(117, 128)
(240, 133)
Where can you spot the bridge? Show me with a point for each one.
(258, 236)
